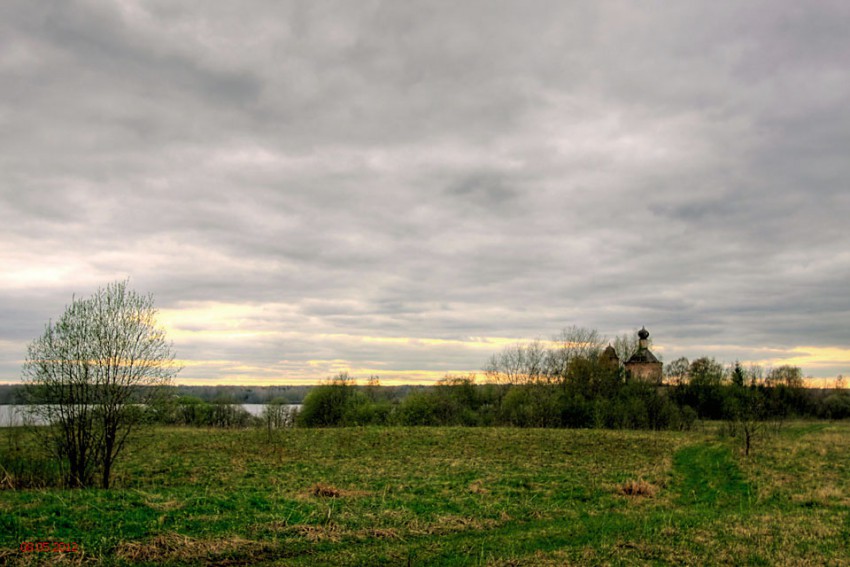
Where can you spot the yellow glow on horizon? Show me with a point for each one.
(257, 376)
(314, 371)
(812, 357)
(803, 356)
(399, 377)
(209, 323)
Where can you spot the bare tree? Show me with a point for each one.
(276, 414)
(748, 415)
(91, 373)
(786, 375)
(571, 343)
(520, 363)
(677, 371)
(755, 374)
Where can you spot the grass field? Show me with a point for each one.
(451, 496)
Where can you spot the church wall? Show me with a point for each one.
(645, 371)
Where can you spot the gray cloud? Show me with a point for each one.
(428, 170)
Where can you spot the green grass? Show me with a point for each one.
(451, 496)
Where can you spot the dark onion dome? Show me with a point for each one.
(643, 334)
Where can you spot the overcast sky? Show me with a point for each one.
(403, 188)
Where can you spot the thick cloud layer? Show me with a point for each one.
(397, 188)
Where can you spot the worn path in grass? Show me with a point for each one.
(707, 475)
(706, 482)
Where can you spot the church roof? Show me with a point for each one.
(642, 355)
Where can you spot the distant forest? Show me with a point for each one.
(11, 393)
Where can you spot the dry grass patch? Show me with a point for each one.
(557, 558)
(166, 506)
(322, 490)
(827, 495)
(325, 491)
(172, 546)
(332, 532)
(158, 503)
(7, 479)
(379, 533)
(638, 488)
(328, 532)
(450, 524)
(18, 559)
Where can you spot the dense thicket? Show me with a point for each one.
(623, 405)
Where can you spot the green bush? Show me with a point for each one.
(420, 408)
(836, 406)
(326, 405)
(518, 407)
(575, 411)
(338, 403)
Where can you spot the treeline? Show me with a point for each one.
(716, 391)
(568, 382)
(14, 393)
(11, 394)
(589, 402)
(244, 394)
(459, 400)
(170, 408)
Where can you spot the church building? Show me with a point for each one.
(643, 365)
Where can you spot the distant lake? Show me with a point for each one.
(257, 409)
(11, 415)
